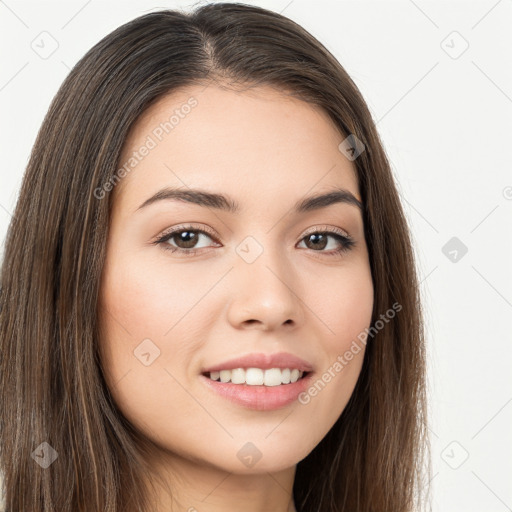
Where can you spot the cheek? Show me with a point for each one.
(147, 339)
(352, 311)
(346, 313)
(146, 300)
(345, 305)
(136, 355)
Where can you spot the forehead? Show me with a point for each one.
(255, 145)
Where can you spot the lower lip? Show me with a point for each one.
(260, 398)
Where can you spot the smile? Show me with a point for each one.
(251, 391)
(257, 376)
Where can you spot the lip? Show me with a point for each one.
(264, 361)
(259, 398)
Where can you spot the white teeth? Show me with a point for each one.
(257, 376)
(238, 376)
(254, 377)
(272, 377)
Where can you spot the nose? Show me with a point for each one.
(265, 294)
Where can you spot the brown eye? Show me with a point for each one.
(318, 241)
(185, 239)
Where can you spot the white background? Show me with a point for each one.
(445, 117)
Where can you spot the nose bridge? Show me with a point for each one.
(263, 254)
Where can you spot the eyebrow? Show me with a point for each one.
(225, 203)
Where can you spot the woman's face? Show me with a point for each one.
(261, 282)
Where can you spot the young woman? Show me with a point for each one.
(208, 297)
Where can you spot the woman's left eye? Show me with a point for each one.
(186, 238)
(320, 240)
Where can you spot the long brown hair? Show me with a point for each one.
(52, 386)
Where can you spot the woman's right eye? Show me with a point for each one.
(187, 238)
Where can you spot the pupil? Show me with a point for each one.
(187, 238)
(317, 240)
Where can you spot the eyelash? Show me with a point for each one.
(346, 241)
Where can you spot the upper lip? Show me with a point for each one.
(263, 361)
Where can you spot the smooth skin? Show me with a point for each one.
(266, 151)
